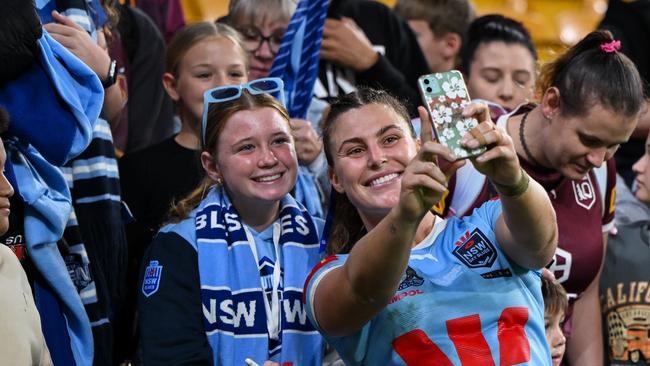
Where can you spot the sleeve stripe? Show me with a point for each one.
(318, 266)
(312, 293)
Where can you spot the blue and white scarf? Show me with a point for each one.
(69, 99)
(235, 306)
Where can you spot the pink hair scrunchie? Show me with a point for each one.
(609, 47)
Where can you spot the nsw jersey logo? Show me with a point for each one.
(476, 251)
(151, 280)
(409, 279)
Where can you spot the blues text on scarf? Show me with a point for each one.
(235, 307)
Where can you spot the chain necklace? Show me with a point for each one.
(529, 155)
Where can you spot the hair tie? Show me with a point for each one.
(609, 47)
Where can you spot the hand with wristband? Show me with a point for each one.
(412, 282)
(73, 37)
(95, 55)
(499, 163)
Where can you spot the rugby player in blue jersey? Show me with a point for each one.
(403, 285)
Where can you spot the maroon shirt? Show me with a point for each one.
(582, 214)
(582, 217)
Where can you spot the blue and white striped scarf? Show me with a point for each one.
(297, 65)
(231, 292)
(297, 60)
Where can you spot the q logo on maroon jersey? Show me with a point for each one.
(584, 192)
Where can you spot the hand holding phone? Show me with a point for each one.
(444, 96)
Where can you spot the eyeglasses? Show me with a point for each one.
(272, 86)
(252, 39)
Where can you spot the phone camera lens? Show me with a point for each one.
(426, 81)
(429, 90)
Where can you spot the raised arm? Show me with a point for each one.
(527, 228)
(347, 297)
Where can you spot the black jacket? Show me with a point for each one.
(398, 67)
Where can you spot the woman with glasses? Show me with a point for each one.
(262, 25)
(404, 285)
(223, 282)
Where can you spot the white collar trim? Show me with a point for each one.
(439, 225)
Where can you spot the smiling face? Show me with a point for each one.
(554, 335)
(370, 148)
(212, 62)
(581, 143)
(502, 73)
(255, 157)
(6, 191)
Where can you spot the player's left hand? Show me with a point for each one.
(500, 162)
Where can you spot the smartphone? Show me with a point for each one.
(444, 95)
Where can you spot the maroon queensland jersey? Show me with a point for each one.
(584, 210)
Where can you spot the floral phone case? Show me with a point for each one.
(445, 95)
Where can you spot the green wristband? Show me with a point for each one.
(516, 189)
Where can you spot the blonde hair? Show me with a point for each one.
(218, 115)
(194, 33)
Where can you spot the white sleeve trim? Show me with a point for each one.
(469, 184)
(608, 226)
(312, 292)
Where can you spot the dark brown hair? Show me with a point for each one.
(585, 75)
(494, 28)
(20, 29)
(555, 297)
(347, 227)
(442, 16)
(218, 115)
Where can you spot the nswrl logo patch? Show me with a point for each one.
(151, 280)
(476, 251)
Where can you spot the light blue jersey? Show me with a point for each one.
(460, 302)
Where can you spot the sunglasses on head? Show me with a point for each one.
(272, 86)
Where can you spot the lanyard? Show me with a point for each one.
(272, 307)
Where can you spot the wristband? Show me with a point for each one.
(516, 189)
(111, 77)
